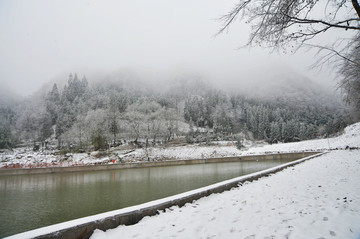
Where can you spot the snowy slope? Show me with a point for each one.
(350, 138)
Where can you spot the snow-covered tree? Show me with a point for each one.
(7, 137)
(95, 121)
(171, 118)
(52, 102)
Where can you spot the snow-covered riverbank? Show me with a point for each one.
(22, 158)
(319, 198)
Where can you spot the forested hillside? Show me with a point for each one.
(101, 114)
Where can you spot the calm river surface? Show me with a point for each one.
(32, 201)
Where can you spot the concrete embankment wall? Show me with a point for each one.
(284, 156)
(84, 227)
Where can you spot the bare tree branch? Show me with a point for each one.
(231, 16)
(279, 22)
(335, 25)
(356, 7)
(337, 53)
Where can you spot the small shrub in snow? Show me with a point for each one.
(240, 142)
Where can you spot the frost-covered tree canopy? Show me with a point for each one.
(105, 114)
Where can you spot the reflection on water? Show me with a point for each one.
(31, 201)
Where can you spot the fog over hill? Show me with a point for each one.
(99, 110)
(274, 84)
(268, 82)
(7, 96)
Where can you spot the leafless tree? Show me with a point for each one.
(350, 70)
(279, 23)
(293, 24)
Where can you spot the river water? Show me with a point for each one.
(32, 201)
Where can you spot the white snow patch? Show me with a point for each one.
(350, 138)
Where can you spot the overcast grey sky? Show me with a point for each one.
(41, 40)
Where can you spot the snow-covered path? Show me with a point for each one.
(319, 198)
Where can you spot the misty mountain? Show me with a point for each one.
(272, 84)
(125, 106)
(285, 86)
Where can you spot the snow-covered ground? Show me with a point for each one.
(319, 198)
(26, 158)
(350, 138)
(21, 158)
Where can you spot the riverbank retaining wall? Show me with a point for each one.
(284, 156)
